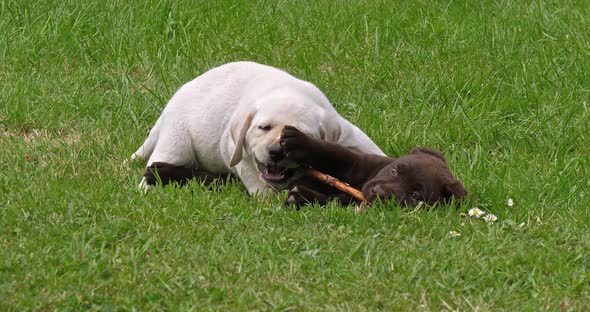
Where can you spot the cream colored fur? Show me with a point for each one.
(247, 104)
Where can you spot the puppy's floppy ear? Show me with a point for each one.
(454, 188)
(239, 142)
(429, 151)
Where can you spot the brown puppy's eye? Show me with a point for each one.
(265, 127)
(415, 195)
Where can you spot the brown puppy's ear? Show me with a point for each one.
(454, 188)
(429, 151)
(241, 137)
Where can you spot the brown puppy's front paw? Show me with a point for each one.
(295, 143)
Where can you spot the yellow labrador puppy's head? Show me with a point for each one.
(260, 132)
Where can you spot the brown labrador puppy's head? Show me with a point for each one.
(421, 176)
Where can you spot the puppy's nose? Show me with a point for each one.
(276, 153)
(381, 192)
(376, 191)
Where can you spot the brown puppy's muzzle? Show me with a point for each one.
(377, 189)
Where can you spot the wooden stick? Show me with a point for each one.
(330, 180)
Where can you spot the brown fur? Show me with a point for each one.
(420, 176)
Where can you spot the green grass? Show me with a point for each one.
(501, 87)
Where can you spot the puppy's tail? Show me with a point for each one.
(147, 148)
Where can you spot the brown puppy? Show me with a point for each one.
(421, 176)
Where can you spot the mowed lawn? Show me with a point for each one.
(501, 87)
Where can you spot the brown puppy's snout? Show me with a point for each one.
(377, 190)
(276, 152)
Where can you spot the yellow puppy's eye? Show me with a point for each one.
(265, 127)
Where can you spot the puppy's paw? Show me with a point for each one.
(295, 199)
(295, 143)
(143, 186)
(135, 157)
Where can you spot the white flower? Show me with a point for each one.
(490, 218)
(475, 212)
(538, 220)
(510, 202)
(454, 233)
(521, 225)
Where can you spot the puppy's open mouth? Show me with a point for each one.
(274, 173)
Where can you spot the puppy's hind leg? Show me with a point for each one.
(172, 160)
(147, 148)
